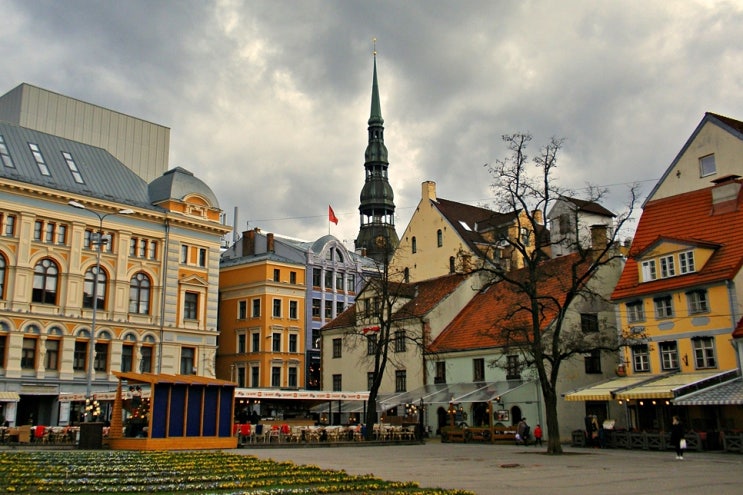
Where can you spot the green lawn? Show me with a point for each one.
(203, 472)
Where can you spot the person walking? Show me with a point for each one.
(522, 432)
(677, 435)
(538, 435)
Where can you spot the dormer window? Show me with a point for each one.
(686, 262)
(667, 267)
(648, 271)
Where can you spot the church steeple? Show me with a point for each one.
(377, 208)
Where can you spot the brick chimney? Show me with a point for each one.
(428, 190)
(248, 242)
(599, 236)
(269, 242)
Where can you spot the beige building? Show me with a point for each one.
(445, 237)
(140, 145)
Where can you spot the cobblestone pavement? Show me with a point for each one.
(489, 469)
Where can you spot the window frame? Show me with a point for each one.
(663, 307)
(669, 355)
(697, 302)
(641, 358)
(649, 271)
(705, 356)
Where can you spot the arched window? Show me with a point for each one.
(439, 238)
(406, 276)
(139, 294)
(45, 282)
(452, 264)
(3, 264)
(414, 245)
(89, 287)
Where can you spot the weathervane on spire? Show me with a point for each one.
(374, 52)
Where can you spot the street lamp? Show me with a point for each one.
(91, 345)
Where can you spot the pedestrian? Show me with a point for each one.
(538, 435)
(522, 432)
(677, 436)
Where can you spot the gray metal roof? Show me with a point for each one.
(104, 177)
(178, 183)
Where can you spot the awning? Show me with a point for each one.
(9, 397)
(671, 386)
(723, 394)
(443, 393)
(605, 390)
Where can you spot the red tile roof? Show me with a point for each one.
(485, 321)
(423, 297)
(687, 217)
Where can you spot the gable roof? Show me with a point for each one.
(687, 217)
(496, 307)
(423, 297)
(104, 177)
(589, 206)
(734, 127)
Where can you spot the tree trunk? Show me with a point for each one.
(554, 445)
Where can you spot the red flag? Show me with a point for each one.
(331, 215)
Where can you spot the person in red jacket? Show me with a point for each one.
(538, 435)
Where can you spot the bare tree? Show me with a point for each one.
(537, 327)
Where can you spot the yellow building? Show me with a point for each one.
(446, 237)
(88, 246)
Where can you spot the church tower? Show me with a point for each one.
(377, 234)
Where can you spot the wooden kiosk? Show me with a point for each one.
(182, 412)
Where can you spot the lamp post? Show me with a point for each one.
(91, 345)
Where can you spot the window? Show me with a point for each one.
(51, 360)
(337, 348)
(440, 376)
(414, 245)
(316, 308)
(350, 282)
(3, 346)
(369, 380)
(663, 307)
(184, 254)
(478, 370)
(704, 352)
(337, 383)
(2, 278)
(686, 262)
(406, 275)
(277, 308)
(707, 165)
(400, 341)
(641, 358)
(401, 380)
(79, 356)
(188, 362)
(276, 275)
(293, 342)
(45, 282)
(73, 168)
(589, 322)
(439, 238)
(142, 252)
(255, 374)
(371, 344)
(190, 306)
(256, 308)
(240, 370)
(338, 281)
(452, 264)
(152, 251)
(242, 343)
(38, 227)
(139, 294)
(635, 312)
(592, 361)
(669, 359)
(145, 363)
(9, 225)
(202, 257)
(276, 342)
(5, 154)
(242, 310)
(39, 159)
(513, 367)
(667, 267)
(316, 338)
(338, 307)
(97, 285)
(328, 310)
(292, 377)
(697, 301)
(275, 376)
(28, 353)
(62, 234)
(100, 362)
(328, 279)
(524, 236)
(127, 357)
(293, 310)
(316, 277)
(256, 336)
(292, 277)
(648, 271)
(49, 235)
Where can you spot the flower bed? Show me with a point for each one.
(123, 472)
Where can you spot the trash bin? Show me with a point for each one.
(91, 436)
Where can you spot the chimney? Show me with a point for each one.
(538, 217)
(269, 242)
(725, 194)
(248, 242)
(428, 190)
(599, 236)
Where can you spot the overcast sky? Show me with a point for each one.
(268, 101)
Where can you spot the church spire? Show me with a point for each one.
(377, 234)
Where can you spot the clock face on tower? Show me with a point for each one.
(380, 241)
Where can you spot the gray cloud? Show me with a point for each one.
(268, 100)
